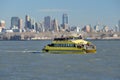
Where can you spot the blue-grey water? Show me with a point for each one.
(18, 61)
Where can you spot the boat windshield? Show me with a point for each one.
(50, 44)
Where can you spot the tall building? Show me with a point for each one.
(15, 22)
(2, 24)
(20, 24)
(41, 27)
(55, 25)
(96, 28)
(105, 28)
(116, 28)
(47, 23)
(65, 21)
(119, 25)
(33, 24)
(87, 28)
(28, 22)
(77, 29)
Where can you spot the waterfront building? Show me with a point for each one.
(114, 35)
(15, 22)
(47, 23)
(8, 30)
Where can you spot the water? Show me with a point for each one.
(19, 62)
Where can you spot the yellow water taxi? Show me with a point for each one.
(70, 45)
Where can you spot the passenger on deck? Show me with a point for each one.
(80, 37)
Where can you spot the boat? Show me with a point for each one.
(70, 45)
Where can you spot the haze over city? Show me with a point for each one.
(80, 12)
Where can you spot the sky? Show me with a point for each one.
(80, 12)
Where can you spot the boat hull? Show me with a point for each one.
(64, 50)
(91, 51)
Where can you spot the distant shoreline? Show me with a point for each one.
(52, 39)
(27, 36)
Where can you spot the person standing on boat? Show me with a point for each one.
(80, 37)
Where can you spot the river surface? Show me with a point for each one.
(23, 60)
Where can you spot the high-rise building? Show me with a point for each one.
(20, 24)
(116, 28)
(55, 25)
(33, 24)
(28, 22)
(47, 23)
(40, 26)
(105, 28)
(87, 28)
(65, 21)
(2, 24)
(27, 18)
(96, 28)
(77, 29)
(15, 22)
(119, 25)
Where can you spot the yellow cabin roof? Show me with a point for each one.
(79, 41)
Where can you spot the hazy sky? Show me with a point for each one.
(80, 12)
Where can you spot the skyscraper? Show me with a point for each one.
(65, 21)
(20, 24)
(106, 28)
(87, 28)
(47, 23)
(15, 22)
(28, 22)
(96, 28)
(116, 28)
(119, 25)
(55, 25)
(2, 24)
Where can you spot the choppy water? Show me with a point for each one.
(18, 62)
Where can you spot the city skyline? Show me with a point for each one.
(80, 12)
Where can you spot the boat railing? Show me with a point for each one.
(91, 47)
(66, 38)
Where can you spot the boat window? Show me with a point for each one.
(56, 45)
(62, 45)
(68, 45)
